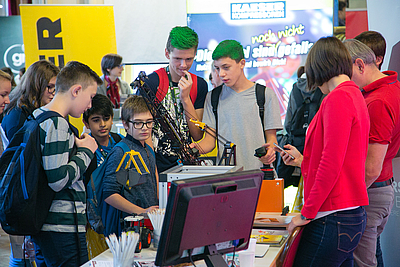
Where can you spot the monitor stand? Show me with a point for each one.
(214, 259)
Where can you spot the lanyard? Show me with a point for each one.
(101, 149)
(171, 86)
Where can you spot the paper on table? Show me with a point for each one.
(261, 250)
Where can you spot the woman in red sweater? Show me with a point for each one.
(333, 163)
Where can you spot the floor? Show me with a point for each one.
(4, 249)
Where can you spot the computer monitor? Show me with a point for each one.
(207, 217)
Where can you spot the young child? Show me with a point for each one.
(131, 199)
(99, 120)
(76, 85)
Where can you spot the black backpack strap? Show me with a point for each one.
(116, 137)
(317, 96)
(45, 115)
(260, 96)
(215, 93)
(299, 100)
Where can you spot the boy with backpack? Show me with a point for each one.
(302, 106)
(99, 120)
(124, 198)
(62, 236)
(238, 117)
(179, 91)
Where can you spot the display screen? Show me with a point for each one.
(276, 37)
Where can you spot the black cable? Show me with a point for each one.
(190, 257)
(233, 257)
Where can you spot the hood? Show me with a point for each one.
(302, 83)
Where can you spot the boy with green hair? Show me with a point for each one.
(238, 113)
(62, 237)
(123, 198)
(179, 91)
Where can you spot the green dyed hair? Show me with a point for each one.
(182, 38)
(229, 48)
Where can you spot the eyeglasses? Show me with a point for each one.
(140, 124)
(51, 88)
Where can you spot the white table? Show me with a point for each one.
(149, 255)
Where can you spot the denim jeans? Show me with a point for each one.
(61, 249)
(331, 240)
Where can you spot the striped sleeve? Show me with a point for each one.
(57, 141)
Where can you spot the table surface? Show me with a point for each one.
(150, 254)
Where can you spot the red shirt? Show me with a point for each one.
(383, 101)
(335, 151)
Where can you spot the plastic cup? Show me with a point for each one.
(246, 259)
(252, 245)
(156, 238)
(126, 263)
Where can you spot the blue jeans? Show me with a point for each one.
(331, 240)
(61, 249)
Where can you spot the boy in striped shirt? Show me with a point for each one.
(62, 237)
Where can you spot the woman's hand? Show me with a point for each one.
(297, 221)
(291, 151)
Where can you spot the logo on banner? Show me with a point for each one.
(47, 40)
(258, 10)
(14, 57)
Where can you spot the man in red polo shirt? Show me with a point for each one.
(381, 91)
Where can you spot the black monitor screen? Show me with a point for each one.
(209, 216)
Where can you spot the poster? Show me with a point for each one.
(276, 37)
(11, 44)
(61, 33)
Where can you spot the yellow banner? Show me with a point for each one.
(61, 33)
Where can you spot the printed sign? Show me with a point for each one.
(84, 33)
(276, 37)
(11, 44)
(57, 33)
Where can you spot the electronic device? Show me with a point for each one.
(282, 150)
(259, 152)
(207, 217)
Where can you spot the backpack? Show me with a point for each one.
(260, 97)
(25, 196)
(164, 85)
(306, 109)
(93, 205)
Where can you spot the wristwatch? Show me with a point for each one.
(304, 218)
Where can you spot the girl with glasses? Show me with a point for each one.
(36, 89)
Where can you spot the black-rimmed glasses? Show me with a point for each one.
(140, 124)
(51, 88)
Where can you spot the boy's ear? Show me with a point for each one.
(125, 124)
(166, 53)
(242, 63)
(76, 89)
